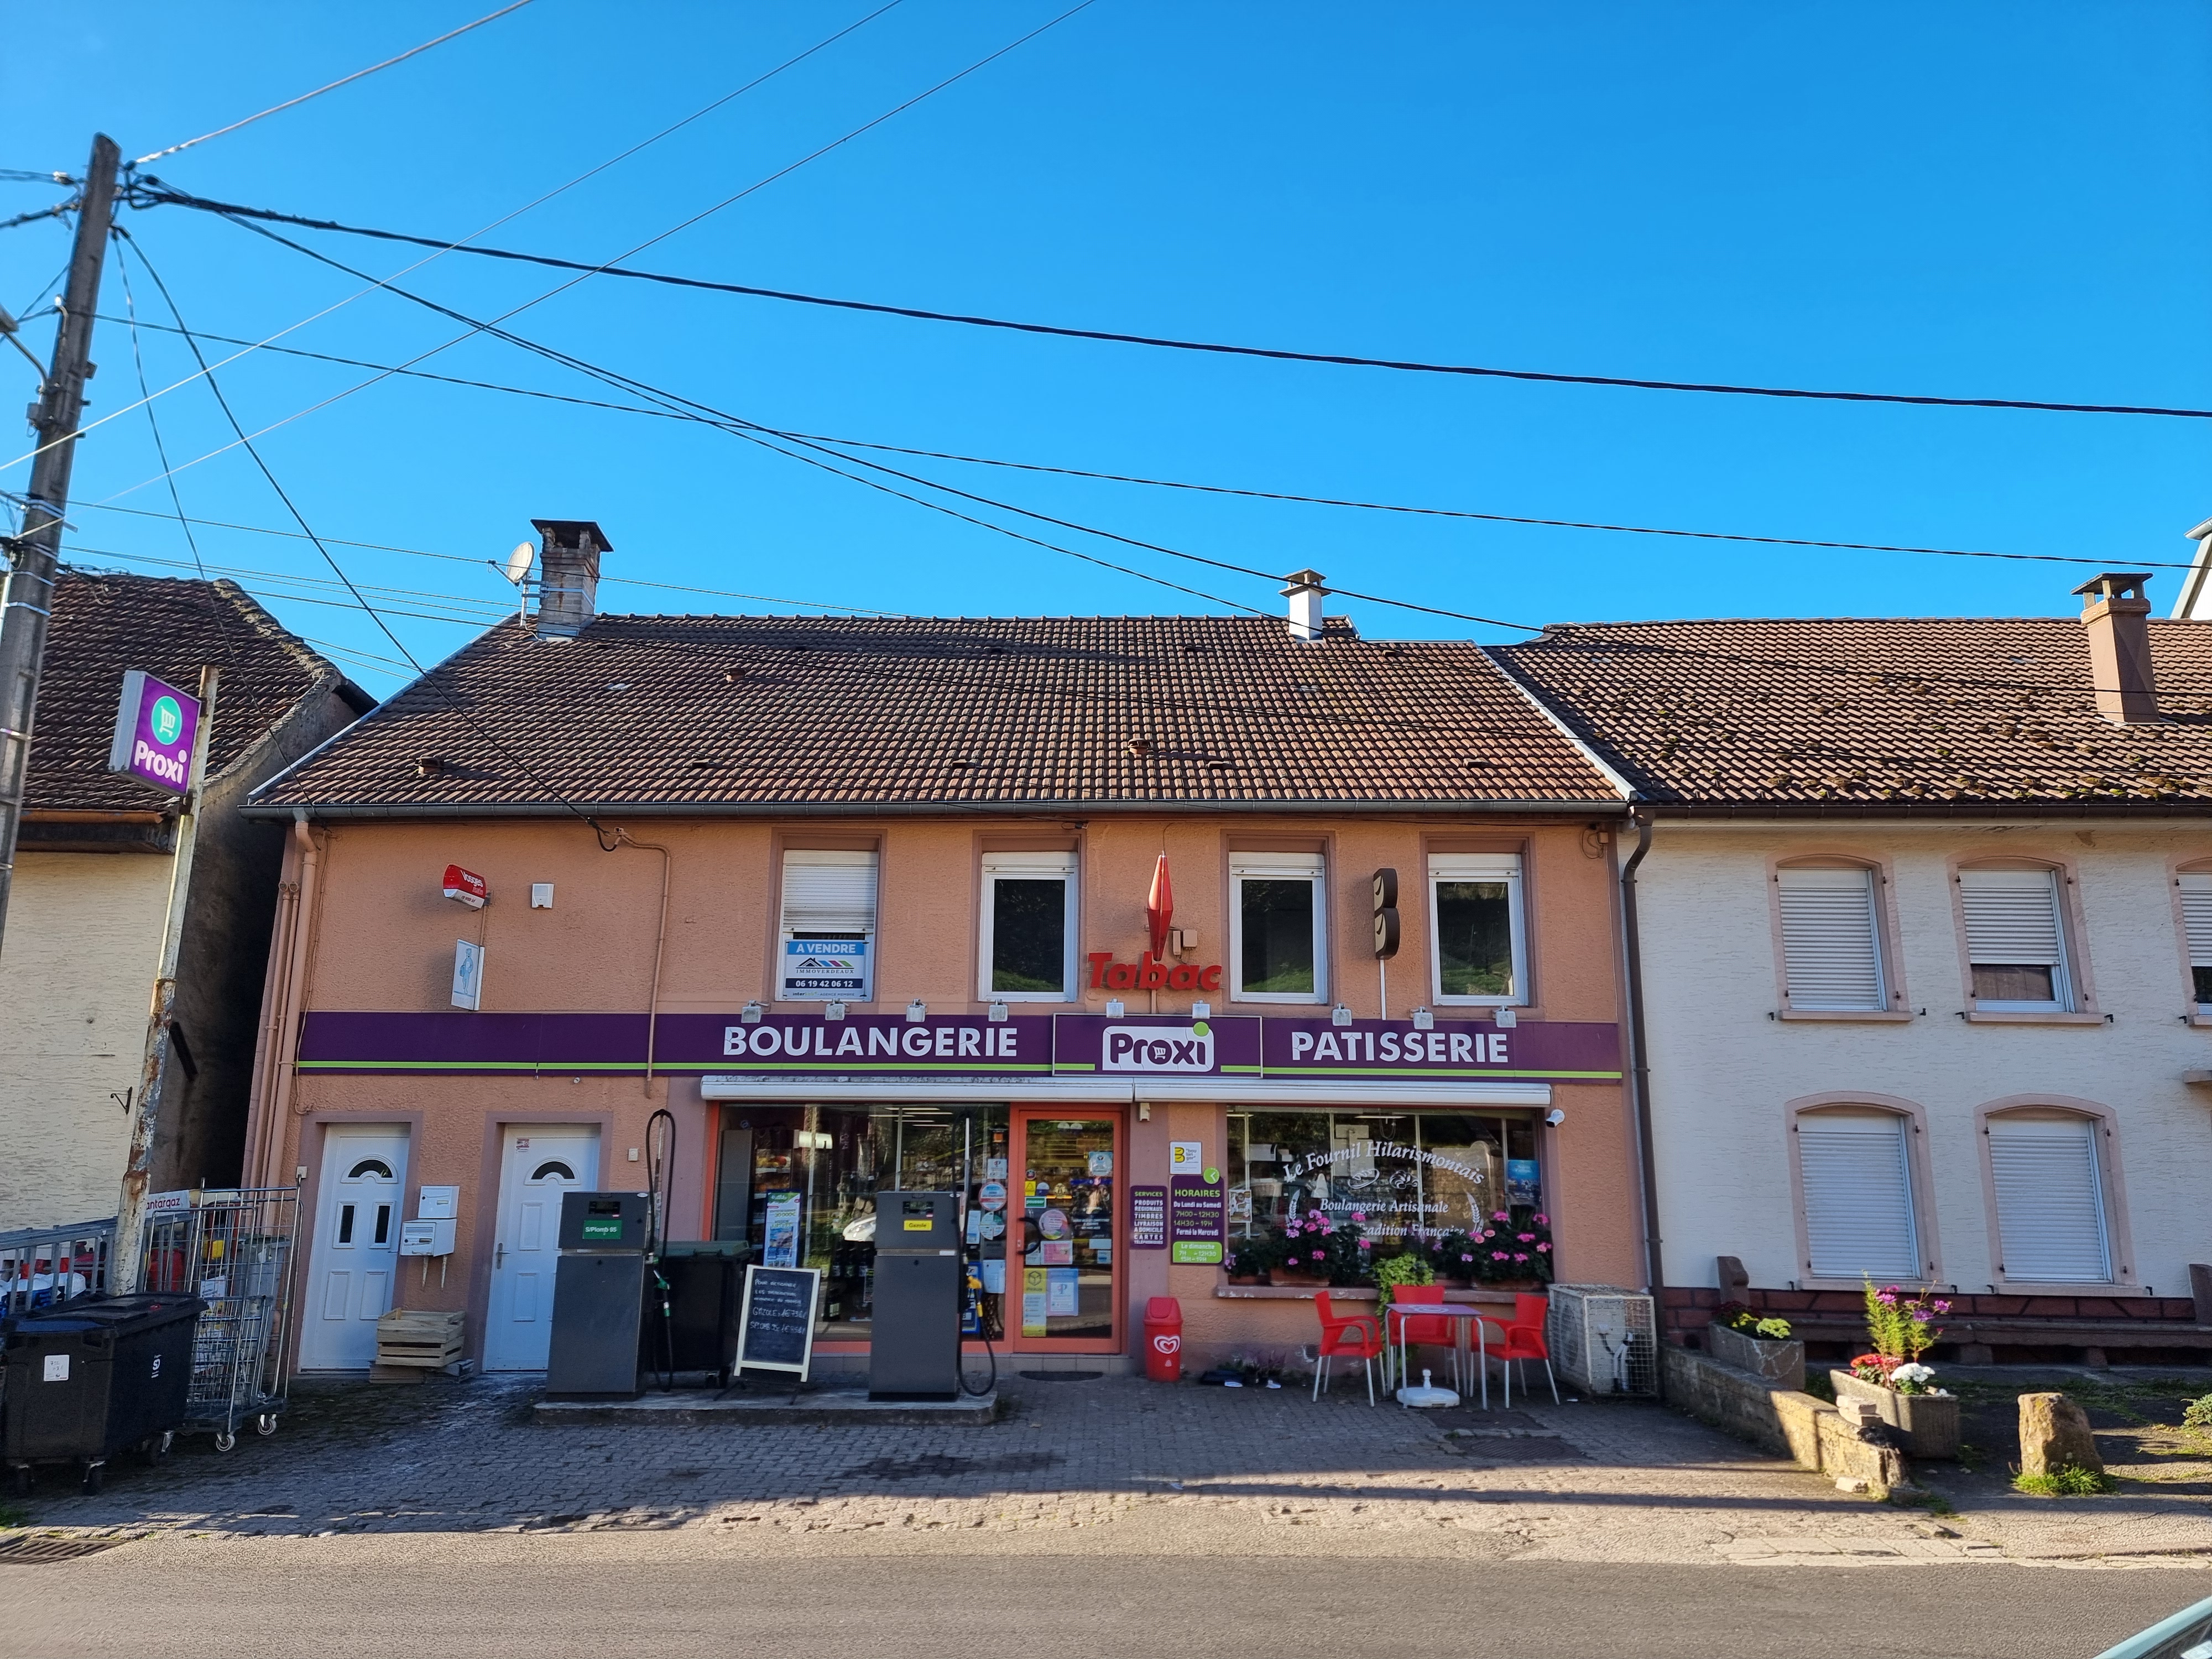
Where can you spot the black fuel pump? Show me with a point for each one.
(921, 1280)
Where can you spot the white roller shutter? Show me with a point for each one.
(829, 894)
(1857, 1172)
(2050, 1200)
(2197, 918)
(2012, 920)
(1831, 947)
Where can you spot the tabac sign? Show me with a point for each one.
(154, 726)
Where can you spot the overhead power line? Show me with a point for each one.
(162, 193)
(1401, 508)
(343, 80)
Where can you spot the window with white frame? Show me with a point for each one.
(1855, 1166)
(828, 934)
(1475, 917)
(1832, 955)
(1028, 928)
(1277, 927)
(2050, 1188)
(2015, 939)
(2196, 923)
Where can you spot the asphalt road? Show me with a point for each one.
(562, 1597)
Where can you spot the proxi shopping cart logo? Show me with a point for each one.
(1158, 1048)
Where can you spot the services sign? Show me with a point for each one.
(155, 724)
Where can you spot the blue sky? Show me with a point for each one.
(1979, 200)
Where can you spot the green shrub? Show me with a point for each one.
(2067, 1482)
(2197, 1414)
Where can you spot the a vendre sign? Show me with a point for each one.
(155, 726)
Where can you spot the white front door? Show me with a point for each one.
(356, 1247)
(537, 1166)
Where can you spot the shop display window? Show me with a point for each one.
(798, 1184)
(1396, 1176)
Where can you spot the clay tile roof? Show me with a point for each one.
(1961, 713)
(792, 713)
(105, 623)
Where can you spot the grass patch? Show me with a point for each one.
(13, 1515)
(2067, 1482)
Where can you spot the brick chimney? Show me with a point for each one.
(1304, 593)
(567, 576)
(2118, 617)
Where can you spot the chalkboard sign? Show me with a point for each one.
(775, 1327)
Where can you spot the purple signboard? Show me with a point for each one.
(1393, 1050)
(1156, 1045)
(1148, 1218)
(1197, 1210)
(154, 726)
(778, 1045)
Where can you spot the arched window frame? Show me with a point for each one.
(1898, 1010)
(2123, 1281)
(2083, 1009)
(1921, 1176)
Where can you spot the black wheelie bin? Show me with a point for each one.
(84, 1381)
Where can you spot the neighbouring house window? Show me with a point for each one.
(1028, 928)
(1275, 919)
(2197, 921)
(1474, 913)
(1831, 938)
(2015, 939)
(2051, 1199)
(1856, 1165)
(829, 932)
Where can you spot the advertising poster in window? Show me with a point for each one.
(824, 970)
(780, 1247)
(1148, 1218)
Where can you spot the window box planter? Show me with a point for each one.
(1296, 1276)
(1780, 1363)
(1928, 1424)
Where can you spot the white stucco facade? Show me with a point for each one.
(1730, 1063)
(83, 940)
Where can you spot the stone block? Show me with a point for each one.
(1780, 1364)
(1847, 1455)
(2054, 1434)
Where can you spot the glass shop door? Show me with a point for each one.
(1064, 1273)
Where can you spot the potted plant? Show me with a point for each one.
(1321, 1250)
(1254, 1258)
(1392, 1271)
(1454, 1257)
(1739, 1335)
(1901, 1328)
(1513, 1249)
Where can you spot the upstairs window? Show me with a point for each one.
(2051, 1199)
(2015, 940)
(1831, 938)
(1276, 929)
(2197, 922)
(1475, 915)
(1029, 929)
(828, 928)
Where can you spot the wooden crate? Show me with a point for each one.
(418, 1336)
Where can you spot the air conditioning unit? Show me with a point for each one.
(1604, 1339)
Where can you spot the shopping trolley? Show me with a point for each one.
(231, 1247)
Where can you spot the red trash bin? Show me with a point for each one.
(1163, 1339)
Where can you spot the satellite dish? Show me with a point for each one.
(518, 562)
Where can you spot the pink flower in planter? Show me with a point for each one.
(1888, 1297)
(1365, 1245)
(1543, 1246)
(1359, 1215)
(1321, 1255)
(1491, 1233)
(1314, 1215)
(1942, 1307)
(1467, 1255)
(1543, 1220)
(1527, 1239)
(1499, 1215)
(1520, 1256)
(1291, 1230)
(1498, 1255)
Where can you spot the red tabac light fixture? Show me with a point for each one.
(1159, 907)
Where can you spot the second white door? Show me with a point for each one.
(356, 1246)
(537, 1166)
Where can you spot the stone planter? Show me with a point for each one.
(1928, 1424)
(1781, 1364)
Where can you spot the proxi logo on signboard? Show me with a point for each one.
(1157, 1048)
(155, 724)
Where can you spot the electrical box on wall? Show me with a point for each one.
(439, 1203)
(541, 895)
(426, 1239)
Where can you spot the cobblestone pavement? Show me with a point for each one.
(1112, 1464)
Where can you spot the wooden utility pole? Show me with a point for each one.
(35, 553)
(154, 1073)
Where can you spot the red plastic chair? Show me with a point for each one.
(1416, 1330)
(1523, 1341)
(1353, 1336)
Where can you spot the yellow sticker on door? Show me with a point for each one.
(922, 1225)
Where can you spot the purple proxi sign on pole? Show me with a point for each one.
(154, 726)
